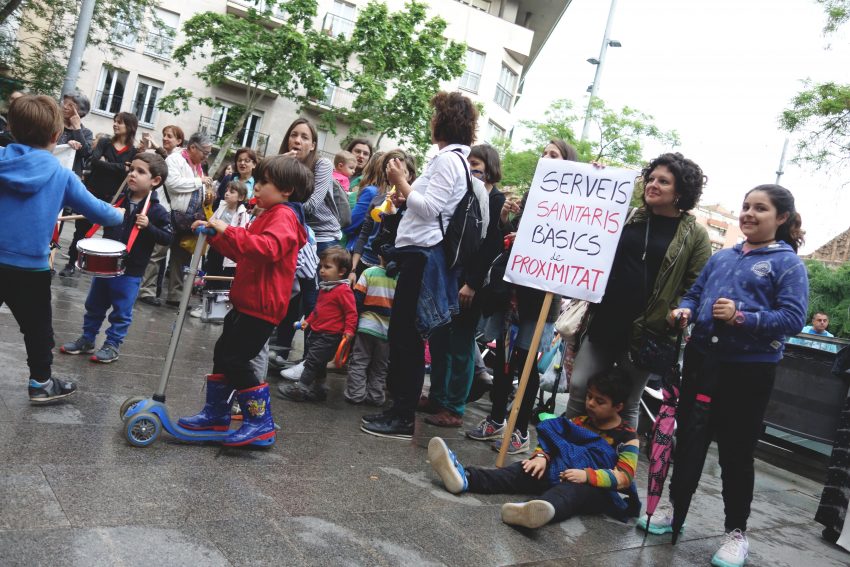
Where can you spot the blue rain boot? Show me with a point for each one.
(216, 413)
(257, 422)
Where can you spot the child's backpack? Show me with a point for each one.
(468, 225)
(337, 201)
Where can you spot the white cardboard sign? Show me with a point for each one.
(570, 228)
(65, 154)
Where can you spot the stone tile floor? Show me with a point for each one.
(73, 492)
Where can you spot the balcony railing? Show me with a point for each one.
(503, 97)
(123, 34)
(337, 25)
(261, 6)
(160, 43)
(254, 139)
(106, 102)
(470, 81)
(337, 97)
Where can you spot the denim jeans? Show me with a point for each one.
(119, 294)
(452, 361)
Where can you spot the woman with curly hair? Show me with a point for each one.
(426, 295)
(660, 254)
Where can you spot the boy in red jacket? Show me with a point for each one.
(334, 318)
(265, 253)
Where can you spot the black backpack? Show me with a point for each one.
(462, 237)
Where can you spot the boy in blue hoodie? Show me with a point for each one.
(147, 172)
(34, 187)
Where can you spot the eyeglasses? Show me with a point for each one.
(204, 151)
(244, 161)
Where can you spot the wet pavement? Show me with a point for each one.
(74, 492)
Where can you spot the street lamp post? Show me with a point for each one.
(606, 41)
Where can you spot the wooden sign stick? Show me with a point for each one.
(523, 381)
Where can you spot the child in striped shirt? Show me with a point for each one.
(367, 368)
(579, 467)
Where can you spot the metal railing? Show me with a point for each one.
(123, 34)
(336, 25)
(338, 97)
(254, 139)
(160, 43)
(108, 102)
(470, 81)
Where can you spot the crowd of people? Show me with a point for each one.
(379, 280)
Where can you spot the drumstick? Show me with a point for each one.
(70, 217)
(120, 190)
(114, 199)
(219, 278)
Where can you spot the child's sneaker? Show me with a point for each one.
(519, 444)
(293, 373)
(487, 430)
(733, 552)
(661, 521)
(80, 346)
(531, 514)
(54, 389)
(448, 468)
(298, 392)
(107, 353)
(197, 312)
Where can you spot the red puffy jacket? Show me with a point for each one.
(265, 254)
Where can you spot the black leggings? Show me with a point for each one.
(568, 498)
(242, 338)
(27, 294)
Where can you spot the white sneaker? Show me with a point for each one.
(197, 312)
(661, 521)
(293, 373)
(531, 514)
(733, 552)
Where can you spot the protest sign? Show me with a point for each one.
(570, 228)
(65, 154)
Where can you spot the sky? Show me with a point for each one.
(719, 73)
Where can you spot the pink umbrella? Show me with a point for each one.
(661, 440)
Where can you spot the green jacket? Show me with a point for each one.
(688, 252)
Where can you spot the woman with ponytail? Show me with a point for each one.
(744, 304)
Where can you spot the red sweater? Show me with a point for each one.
(265, 254)
(335, 312)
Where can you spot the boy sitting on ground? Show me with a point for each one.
(579, 467)
(333, 318)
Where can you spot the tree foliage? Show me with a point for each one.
(829, 291)
(619, 139)
(398, 61)
(820, 112)
(266, 57)
(37, 54)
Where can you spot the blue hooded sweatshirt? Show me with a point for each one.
(769, 285)
(34, 188)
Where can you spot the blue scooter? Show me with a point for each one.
(145, 418)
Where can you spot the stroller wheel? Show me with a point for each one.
(142, 429)
(128, 403)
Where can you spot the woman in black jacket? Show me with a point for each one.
(108, 166)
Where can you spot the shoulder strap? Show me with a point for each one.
(468, 187)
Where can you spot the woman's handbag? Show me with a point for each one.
(573, 318)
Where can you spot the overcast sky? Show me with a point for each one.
(720, 73)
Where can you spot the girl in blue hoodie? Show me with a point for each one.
(744, 303)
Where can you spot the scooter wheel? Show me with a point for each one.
(142, 429)
(128, 403)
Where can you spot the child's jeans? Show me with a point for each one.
(568, 498)
(320, 349)
(367, 369)
(120, 294)
(27, 294)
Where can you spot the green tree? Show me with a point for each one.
(266, 57)
(621, 136)
(820, 112)
(829, 291)
(397, 62)
(37, 53)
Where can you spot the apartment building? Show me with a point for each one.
(503, 38)
(721, 224)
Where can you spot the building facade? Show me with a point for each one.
(502, 36)
(835, 252)
(722, 225)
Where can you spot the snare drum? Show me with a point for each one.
(101, 257)
(216, 304)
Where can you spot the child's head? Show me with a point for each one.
(236, 193)
(769, 213)
(345, 163)
(607, 391)
(484, 158)
(334, 263)
(147, 172)
(281, 178)
(35, 120)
